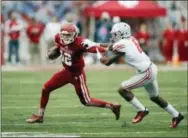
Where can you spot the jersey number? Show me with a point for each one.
(66, 58)
(136, 44)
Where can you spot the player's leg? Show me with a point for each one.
(125, 91)
(31, 47)
(82, 91)
(152, 89)
(17, 47)
(58, 80)
(10, 51)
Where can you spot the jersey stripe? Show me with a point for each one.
(118, 47)
(148, 76)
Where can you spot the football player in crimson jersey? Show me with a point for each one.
(71, 47)
(124, 45)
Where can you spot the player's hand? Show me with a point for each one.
(110, 47)
(53, 53)
(103, 60)
(88, 44)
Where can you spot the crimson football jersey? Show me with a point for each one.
(72, 54)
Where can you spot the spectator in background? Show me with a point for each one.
(73, 17)
(52, 28)
(2, 39)
(61, 8)
(143, 36)
(116, 19)
(102, 34)
(44, 12)
(13, 29)
(34, 32)
(168, 42)
(182, 40)
(103, 27)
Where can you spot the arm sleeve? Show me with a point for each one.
(19, 27)
(114, 58)
(118, 48)
(93, 49)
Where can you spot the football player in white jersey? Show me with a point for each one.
(123, 44)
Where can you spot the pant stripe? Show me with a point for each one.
(83, 91)
(148, 75)
(84, 85)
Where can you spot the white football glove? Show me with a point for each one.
(98, 54)
(88, 44)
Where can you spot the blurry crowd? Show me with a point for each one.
(28, 28)
(172, 40)
(36, 22)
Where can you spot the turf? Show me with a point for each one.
(21, 93)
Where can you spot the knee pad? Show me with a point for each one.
(127, 95)
(160, 101)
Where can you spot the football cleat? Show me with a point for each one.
(116, 110)
(35, 119)
(140, 115)
(176, 121)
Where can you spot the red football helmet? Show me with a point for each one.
(68, 33)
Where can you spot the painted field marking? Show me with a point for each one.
(137, 132)
(36, 134)
(74, 134)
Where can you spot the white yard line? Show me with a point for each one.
(36, 134)
(75, 134)
(137, 132)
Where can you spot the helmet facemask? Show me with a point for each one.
(68, 33)
(116, 36)
(67, 37)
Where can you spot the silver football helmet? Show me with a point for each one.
(120, 31)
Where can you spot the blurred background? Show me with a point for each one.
(28, 28)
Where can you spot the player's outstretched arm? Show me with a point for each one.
(53, 53)
(109, 60)
(94, 49)
(91, 46)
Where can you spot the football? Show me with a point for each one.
(53, 53)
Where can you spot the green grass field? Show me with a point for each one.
(66, 116)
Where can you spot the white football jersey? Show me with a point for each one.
(134, 56)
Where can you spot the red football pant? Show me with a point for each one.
(182, 51)
(168, 52)
(64, 77)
